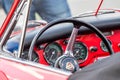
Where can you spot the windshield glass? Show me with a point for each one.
(77, 7)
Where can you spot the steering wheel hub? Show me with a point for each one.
(68, 63)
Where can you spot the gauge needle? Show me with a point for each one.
(77, 51)
(52, 55)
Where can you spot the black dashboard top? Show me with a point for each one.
(105, 22)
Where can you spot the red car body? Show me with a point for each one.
(13, 69)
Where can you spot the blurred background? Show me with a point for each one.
(79, 6)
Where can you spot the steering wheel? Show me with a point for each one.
(67, 61)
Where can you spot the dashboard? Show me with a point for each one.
(87, 48)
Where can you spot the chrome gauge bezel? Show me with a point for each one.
(101, 44)
(81, 61)
(49, 44)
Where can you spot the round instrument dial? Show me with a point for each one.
(51, 52)
(103, 46)
(80, 52)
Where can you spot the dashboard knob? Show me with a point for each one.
(93, 48)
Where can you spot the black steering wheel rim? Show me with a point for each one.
(75, 22)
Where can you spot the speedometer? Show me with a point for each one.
(51, 52)
(80, 52)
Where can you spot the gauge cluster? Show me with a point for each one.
(87, 49)
(53, 51)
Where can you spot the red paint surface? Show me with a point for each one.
(12, 70)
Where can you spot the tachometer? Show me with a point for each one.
(51, 52)
(80, 52)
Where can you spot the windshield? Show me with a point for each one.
(78, 7)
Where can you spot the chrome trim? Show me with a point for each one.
(37, 22)
(21, 46)
(11, 25)
(71, 42)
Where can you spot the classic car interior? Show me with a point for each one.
(88, 47)
(71, 44)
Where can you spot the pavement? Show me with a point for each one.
(79, 6)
